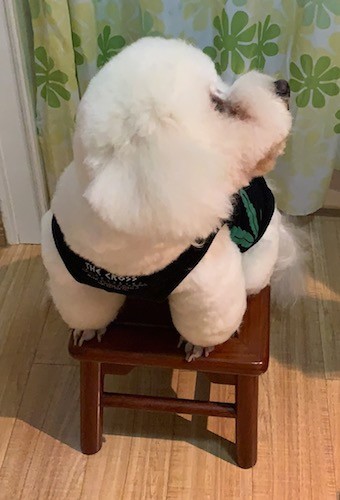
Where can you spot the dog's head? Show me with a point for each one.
(162, 143)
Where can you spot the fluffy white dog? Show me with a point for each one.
(161, 146)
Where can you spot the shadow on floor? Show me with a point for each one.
(302, 337)
(192, 429)
(51, 405)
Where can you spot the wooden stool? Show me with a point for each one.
(143, 335)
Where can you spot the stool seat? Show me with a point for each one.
(143, 334)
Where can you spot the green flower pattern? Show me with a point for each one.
(235, 42)
(314, 81)
(232, 43)
(148, 24)
(265, 47)
(78, 56)
(39, 7)
(201, 12)
(239, 3)
(319, 11)
(109, 46)
(151, 16)
(294, 39)
(51, 81)
(337, 126)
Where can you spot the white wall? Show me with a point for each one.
(22, 188)
(332, 199)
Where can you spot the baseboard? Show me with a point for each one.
(332, 200)
(3, 241)
(328, 212)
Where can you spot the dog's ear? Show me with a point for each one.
(113, 194)
(224, 105)
(218, 100)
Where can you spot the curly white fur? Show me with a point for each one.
(155, 167)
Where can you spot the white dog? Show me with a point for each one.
(161, 146)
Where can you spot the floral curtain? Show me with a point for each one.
(294, 39)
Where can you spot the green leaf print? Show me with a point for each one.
(51, 82)
(39, 7)
(148, 25)
(201, 12)
(109, 46)
(147, 22)
(233, 42)
(241, 237)
(251, 212)
(211, 52)
(78, 56)
(313, 82)
(151, 12)
(264, 46)
(318, 11)
(337, 126)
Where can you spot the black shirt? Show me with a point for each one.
(253, 210)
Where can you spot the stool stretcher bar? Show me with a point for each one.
(174, 405)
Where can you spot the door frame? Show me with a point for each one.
(23, 194)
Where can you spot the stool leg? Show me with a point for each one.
(246, 420)
(91, 410)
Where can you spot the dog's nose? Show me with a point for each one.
(282, 88)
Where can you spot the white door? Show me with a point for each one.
(22, 188)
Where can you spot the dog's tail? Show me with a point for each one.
(290, 272)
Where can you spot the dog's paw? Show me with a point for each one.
(81, 336)
(193, 352)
